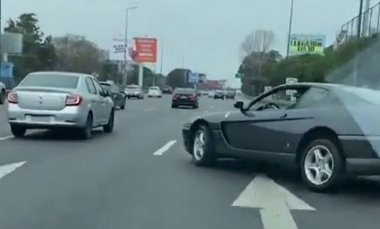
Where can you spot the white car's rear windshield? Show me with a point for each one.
(53, 80)
(153, 88)
(132, 87)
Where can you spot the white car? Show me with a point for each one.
(55, 100)
(155, 91)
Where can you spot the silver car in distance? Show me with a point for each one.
(54, 100)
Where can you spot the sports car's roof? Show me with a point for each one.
(324, 85)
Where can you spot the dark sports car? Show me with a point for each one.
(326, 131)
(114, 91)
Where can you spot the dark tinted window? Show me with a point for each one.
(106, 86)
(185, 91)
(51, 80)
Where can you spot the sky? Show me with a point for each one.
(201, 35)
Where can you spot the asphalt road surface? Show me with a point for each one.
(140, 177)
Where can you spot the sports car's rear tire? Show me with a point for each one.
(322, 165)
(203, 147)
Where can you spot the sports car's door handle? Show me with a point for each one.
(284, 116)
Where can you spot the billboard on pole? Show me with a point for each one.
(146, 49)
(301, 44)
(118, 48)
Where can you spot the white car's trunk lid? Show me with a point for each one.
(42, 98)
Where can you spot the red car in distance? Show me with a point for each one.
(185, 97)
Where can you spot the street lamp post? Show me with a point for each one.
(124, 80)
(290, 27)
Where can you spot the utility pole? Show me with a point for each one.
(290, 27)
(124, 80)
(366, 19)
(360, 16)
(356, 64)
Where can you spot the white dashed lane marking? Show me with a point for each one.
(164, 148)
(7, 169)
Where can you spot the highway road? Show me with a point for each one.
(140, 177)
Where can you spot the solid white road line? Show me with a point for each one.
(6, 169)
(149, 109)
(28, 133)
(274, 202)
(6, 138)
(164, 148)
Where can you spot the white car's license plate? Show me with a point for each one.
(183, 97)
(39, 118)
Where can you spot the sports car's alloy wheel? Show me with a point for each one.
(203, 147)
(319, 165)
(323, 165)
(199, 145)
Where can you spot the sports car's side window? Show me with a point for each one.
(311, 97)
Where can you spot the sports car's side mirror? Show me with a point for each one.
(239, 105)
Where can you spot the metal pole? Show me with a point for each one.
(366, 18)
(1, 34)
(356, 64)
(124, 81)
(360, 18)
(162, 55)
(290, 27)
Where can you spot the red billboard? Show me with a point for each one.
(146, 50)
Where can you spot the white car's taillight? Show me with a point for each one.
(73, 100)
(12, 97)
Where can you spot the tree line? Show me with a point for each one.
(355, 63)
(71, 52)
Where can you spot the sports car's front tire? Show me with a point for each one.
(322, 165)
(203, 147)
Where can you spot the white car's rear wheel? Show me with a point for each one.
(18, 131)
(86, 131)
